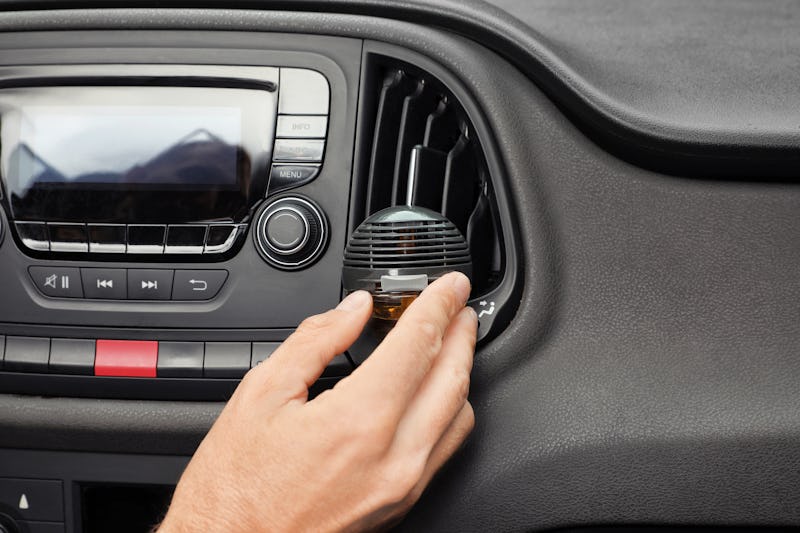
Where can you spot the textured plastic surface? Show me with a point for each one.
(705, 89)
(654, 380)
(75, 470)
(651, 373)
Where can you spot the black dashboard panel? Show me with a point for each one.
(575, 50)
(650, 373)
(705, 71)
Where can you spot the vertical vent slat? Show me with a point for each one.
(428, 179)
(396, 86)
(442, 129)
(460, 185)
(413, 120)
(480, 237)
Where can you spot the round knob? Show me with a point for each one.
(7, 525)
(286, 229)
(291, 232)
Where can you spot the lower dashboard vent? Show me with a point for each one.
(417, 147)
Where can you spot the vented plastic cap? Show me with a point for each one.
(403, 241)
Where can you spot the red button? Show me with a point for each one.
(135, 359)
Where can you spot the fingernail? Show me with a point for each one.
(355, 300)
(461, 285)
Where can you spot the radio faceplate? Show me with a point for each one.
(152, 160)
(256, 302)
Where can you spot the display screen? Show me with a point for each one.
(135, 154)
(167, 145)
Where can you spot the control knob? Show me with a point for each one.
(291, 232)
(7, 524)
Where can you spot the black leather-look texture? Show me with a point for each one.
(651, 373)
(704, 89)
(665, 389)
(715, 76)
(723, 67)
(124, 426)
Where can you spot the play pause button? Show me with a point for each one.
(105, 283)
(149, 284)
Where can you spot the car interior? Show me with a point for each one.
(183, 182)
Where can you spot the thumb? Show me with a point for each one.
(302, 358)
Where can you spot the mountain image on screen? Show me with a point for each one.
(199, 158)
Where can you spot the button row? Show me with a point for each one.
(301, 129)
(128, 284)
(128, 239)
(149, 359)
(295, 161)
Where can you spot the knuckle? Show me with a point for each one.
(469, 418)
(400, 477)
(363, 429)
(427, 335)
(314, 324)
(325, 397)
(461, 383)
(317, 332)
(472, 334)
(256, 381)
(249, 380)
(418, 335)
(370, 434)
(412, 498)
(445, 301)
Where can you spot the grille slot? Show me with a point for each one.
(403, 245)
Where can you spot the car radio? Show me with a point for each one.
(172, 165)
(166, 224)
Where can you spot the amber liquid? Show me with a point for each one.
(391, 306)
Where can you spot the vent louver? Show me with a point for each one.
(418, 148)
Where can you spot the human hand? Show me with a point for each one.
(356, 457)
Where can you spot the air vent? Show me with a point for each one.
(417, 147)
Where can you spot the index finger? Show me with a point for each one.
(391, 376)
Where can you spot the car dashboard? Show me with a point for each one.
(181, 184)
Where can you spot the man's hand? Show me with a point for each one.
(359, 455)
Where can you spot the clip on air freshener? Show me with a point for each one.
(397, 252)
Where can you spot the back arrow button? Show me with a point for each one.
(198, 284)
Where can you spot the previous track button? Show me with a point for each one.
(105, 283)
